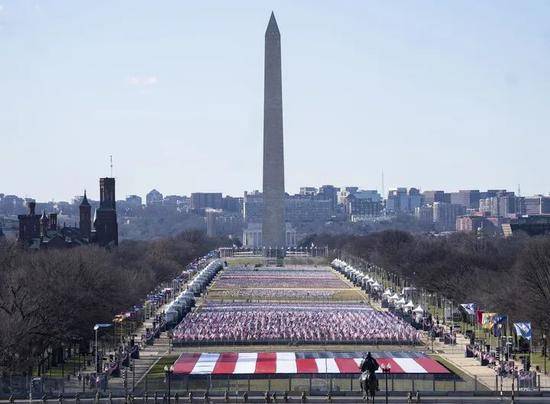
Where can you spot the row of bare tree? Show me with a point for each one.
(53, 298)
(506, 275)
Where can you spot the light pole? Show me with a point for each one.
(386, 369)
(96, 328)
(544, 350)
(168, 372)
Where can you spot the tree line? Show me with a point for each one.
(51, 298)
(506, 275)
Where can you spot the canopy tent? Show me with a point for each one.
(418, 310)
(375, 285)
(409, 305)
(394, 297)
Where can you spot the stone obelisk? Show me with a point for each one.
(273, 227)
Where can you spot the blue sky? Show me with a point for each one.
(439, 95)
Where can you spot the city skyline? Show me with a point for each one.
(437, 96)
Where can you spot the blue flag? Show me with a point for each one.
(499, 321)
(523, 330)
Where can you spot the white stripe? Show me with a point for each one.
(286, 363)
(246, 363)
(409, 365)
(327, 365)
(206, 363)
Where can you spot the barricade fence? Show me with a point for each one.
(315, 384)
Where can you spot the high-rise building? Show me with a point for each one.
(173, 201)
(401, 201)
(301, 209)
(433, 196)
(253, 207)
(537, 205)
(134, 201)
(211, 215)
(153, 198)
(231, 204)
(308, 190)
(273, 229)
(298, 209)
(501, 204)
(425, 216)
(363, 204)
(445, 215)
(203, 200)
(329, 192)
(468, 198)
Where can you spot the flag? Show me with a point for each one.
(479, 316)
(523, 330)
(500, 318)
(498, 322)
(469, 308)
(487, 321)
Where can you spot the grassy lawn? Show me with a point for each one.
(68, 367)
(338, 295)
(158, 369)
(538, 360)
(288, 261)
(237, 261)
(346, 295)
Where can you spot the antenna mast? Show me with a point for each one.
(111, 164)
(383, 184)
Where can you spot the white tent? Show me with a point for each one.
(400, 302)
(394, 297)
(409, 305)
(418, 310)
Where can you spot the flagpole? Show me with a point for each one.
(508, 333)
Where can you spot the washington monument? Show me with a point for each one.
(273, 227)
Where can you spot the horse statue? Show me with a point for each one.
(368, 380)
(369, 385)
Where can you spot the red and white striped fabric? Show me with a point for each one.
(210, 363)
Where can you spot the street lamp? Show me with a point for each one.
(544, 350)
(168, 372)
(96, 328)
(386, 369)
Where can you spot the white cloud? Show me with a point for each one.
(1, 8)
(142, 81)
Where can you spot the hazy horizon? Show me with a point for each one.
(437, 95)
